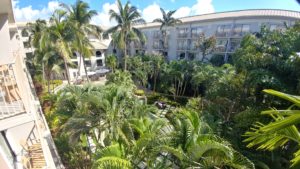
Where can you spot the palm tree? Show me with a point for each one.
(167, 21)
(124, 32)
(80, 16)
(35, 31)
(111, 62)
(281, 130)
(61, 33)
(50, 61)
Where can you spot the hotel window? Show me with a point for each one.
(191, 56)
(181, 44)
(279, 27)
(240, 30)
(98, 53)
(26, 44)
(99, 62)
(196, 32)
(156, 44)
(223, 30)
(221, 45)
(156, 34)
(234, 44)
(24, 33)
(194, 44)
(88, 63)
(182, 32)
(181, 55)
(74, 56)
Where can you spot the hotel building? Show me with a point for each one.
(228, 27)
(25, 139)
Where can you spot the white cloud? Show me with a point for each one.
(202, 7)
(182, 12)
(29, 14)
(151, 12)
(102, 18)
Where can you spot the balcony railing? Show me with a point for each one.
(220, 49)
(10, 98)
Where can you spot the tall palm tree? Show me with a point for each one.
(35, 31)
(124, 31)
(80, 16)
(61, 33)
(167, 21)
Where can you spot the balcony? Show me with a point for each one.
(220, 49)
(10, 97)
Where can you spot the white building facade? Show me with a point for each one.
(228, 28)
(25, 139)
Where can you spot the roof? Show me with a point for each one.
(99, 45)
(232, 15)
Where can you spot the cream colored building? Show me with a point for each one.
(93, 63)
(228, 28)
(25, 139)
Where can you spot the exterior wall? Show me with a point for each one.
(210, 23)
(5, 53)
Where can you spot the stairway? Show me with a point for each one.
(36, 156)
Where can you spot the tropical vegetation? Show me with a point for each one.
(155, 113)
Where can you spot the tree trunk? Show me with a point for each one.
(203, 56)
(85, 70)
(66, 70)
(154, 84)
(79, 66)
(125, 56)
(48, 83)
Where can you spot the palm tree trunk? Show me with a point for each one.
(125, 56)
(79, 67)
(155, 80)
(86, 74)
(203, 56)
(66, 70)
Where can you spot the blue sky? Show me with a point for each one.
(28, 10)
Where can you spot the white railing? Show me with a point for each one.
(10, 98)
(32, 106)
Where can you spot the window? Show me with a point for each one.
(221, 42)
(234, 44)
(240, 30)
(156, 34)
(26, 44)
(99, 62)
(191, 56)
(114, 51)
(279, 27)
(181, 55)
(223, 30)
(221, 45)
(75, 63)
(74, 56)
(156, 44)
(98, 53)
(196, 32)
(181, 44)
(24, 33)
(88, 63)
(182, 32)
(194, 44)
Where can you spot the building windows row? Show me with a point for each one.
(186, 55)
(241, 30)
